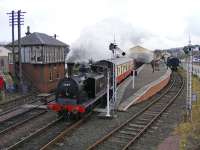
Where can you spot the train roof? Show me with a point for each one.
(119, 60)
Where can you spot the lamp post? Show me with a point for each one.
(108, 96)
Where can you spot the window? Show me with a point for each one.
(51, 75)
(33, 53)
(38, 54)
(10, 58)
(119, 70)
(57, 75)
(2, 62)
(58, 54)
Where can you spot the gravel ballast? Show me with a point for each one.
(95, 127)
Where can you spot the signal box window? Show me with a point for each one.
(51, 76)
(57, 75)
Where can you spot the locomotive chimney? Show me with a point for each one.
(70, 66)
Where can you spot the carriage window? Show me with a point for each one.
(119, 70)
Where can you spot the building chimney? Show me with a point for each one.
(28, 31)
(55, 36)
(70, 66)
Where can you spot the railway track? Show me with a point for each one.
(125, 135)
(11, 105)
(33, 135)
(14, 122)
(60, 136)
(22, 109)
(15, 104)
(47, 135)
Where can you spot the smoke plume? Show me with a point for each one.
(94, 41)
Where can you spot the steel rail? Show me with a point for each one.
(66, 131)
(16, 145)
(22, 122)
(155, 118)
(21, 99)
(136, 115)
(19, 107)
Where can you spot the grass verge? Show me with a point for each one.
(189, 131)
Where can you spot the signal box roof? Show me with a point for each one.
(37, 39)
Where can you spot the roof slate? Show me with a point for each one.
(39, 39)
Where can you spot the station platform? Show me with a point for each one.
(147, 83)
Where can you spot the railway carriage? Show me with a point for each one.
(79, 93)
(123, 67)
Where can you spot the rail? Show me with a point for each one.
(141, 121)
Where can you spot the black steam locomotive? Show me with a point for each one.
(77, 94)
(173, 63)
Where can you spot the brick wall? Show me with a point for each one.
(153, 90)
(40, 75)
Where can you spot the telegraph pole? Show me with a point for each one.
(19, 21)
(12, 18)
(17, 18)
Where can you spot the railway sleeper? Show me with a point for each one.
(158, 105)
(128, 133)
(154, 112)
(145, 119)
(141, 122)
(132, 129)
(128, 137)
(136, 125)
(119, 140)
(109, 146)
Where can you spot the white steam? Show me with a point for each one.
(94, 41)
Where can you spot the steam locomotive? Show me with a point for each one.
(173, 63)
(77, 94)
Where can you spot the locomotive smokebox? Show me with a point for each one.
(70, 66)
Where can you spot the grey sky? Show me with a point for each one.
(167, 22)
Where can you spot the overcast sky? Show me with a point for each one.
(166, 22)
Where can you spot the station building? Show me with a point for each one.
(43, 60)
